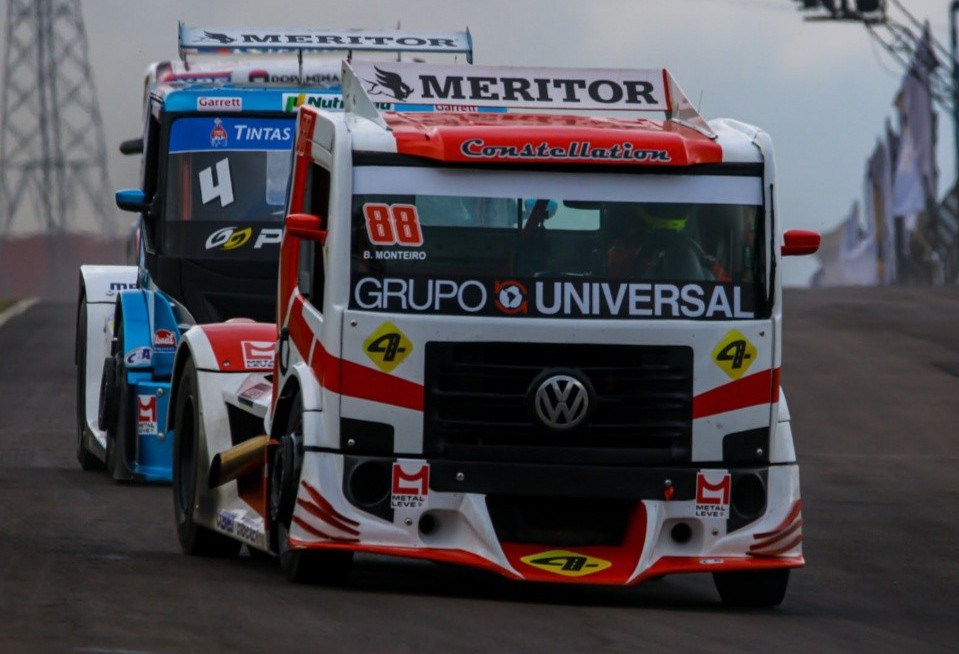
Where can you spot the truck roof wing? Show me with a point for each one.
(220, 40)
(544, 90)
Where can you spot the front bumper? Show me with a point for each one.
(579, 524)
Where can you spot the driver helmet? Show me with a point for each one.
(664, 216)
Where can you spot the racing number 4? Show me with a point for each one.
(221, 188)
(396, 224)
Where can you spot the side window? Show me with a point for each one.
(311, 275)
(149, 173)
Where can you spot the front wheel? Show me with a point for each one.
(115, 403)
(116, 409)
(194, 539)
(752, 588)
(329, 567)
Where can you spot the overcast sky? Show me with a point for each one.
(823, 90)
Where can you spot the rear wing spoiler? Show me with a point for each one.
(218, 40)
(545, 90)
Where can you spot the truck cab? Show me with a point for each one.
(544, 342)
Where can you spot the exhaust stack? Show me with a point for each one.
(239, 460)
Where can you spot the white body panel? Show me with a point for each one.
(100, 285)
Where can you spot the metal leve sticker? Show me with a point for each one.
(146, 414)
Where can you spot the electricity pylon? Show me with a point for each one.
(53, 163)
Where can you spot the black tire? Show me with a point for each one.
(116, 410)
(86, 459)
(107, 414)
(194, 539)
(330, 567)
(316, 567)
(752, 588)
(118, 433)
(284, 477)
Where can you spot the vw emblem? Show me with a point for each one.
(561, 401)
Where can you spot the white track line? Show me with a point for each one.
(17, 309)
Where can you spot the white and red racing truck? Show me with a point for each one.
(539, 343)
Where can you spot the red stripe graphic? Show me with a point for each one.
(317, 512)
(793, 514)
(319, 507)
(791, 526)
(321, 534)
(780, 550)
(759, 388)
(349, 378)
(332, 516)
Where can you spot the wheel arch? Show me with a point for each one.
(101, 285)
(193, 345)
(81, 297)
(301, 382)
(132, 311)
(183, 355)
(280, 417)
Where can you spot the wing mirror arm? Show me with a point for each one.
(306, 226)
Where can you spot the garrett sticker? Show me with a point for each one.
(387, 347)
(734, 354)
(566, 563)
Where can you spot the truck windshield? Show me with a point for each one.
(226, 186)
(574, 244)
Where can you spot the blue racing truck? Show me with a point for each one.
(215, 163)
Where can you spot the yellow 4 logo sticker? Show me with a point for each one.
(387, 347)
(734, 354)
(566, 563)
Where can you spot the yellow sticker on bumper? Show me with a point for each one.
(566, 563)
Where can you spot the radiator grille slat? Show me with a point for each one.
(478, 402)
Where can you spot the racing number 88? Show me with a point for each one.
(392, 224)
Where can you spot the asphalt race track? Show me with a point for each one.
(872, 377)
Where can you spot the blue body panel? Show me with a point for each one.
(152, 459)
(150, 336)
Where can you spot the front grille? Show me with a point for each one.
(479, 407)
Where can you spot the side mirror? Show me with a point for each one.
(132, 146)
(305, 226)
(799, 242)
(132, 199)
